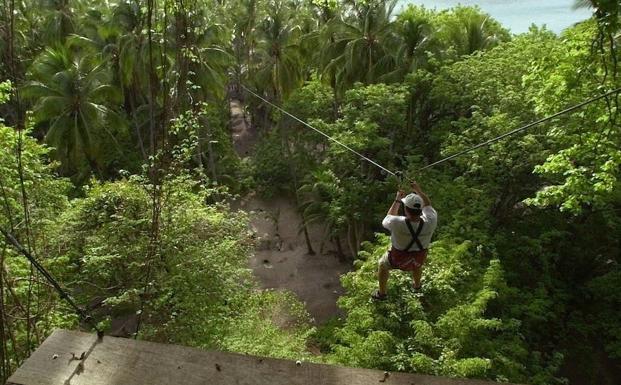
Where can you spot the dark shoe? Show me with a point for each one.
(377, 296)
(417, 290)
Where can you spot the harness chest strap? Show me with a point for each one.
(414, 234)
(414, 240)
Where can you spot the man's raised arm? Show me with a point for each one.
(393, 210)
(417, 189)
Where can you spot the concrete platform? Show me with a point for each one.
(76, 358)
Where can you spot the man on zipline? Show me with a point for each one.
(410, 236)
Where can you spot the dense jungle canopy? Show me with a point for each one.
(118, 169)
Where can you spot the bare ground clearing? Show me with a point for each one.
(281, 260)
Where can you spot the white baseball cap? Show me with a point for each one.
(413, 201)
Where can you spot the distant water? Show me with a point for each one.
(518, 15)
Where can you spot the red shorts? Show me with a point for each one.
(406, 260)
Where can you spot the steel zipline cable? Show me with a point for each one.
(85, 317)
(460, 153)
(320, 132)
(524, 128)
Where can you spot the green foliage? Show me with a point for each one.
(487, 97)
(269, 324)
(332, 192)
(498, 276)
(359, 48)
(418, 41)
(449, 333)
(29, 220)
(467, 30)
(278, 56)
(46, 193)
(201, 142)
(583, 172)
(73, 99)
(198, 291)
(314, 100)
(5, 91)
(522, 278)
(605, 317)
(271, 170)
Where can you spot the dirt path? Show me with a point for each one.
(281, 260)
(243, 135)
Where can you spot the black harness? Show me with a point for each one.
(414, 234)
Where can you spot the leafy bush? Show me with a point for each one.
(195, 285)
(271, 169)
(450, 332)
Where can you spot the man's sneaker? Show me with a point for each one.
(377, 296)
(417, 290)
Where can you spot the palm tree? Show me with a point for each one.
(324, 10)
(316, 197)
(201, 60)
(130, 53)
(200, 70)
(120, 40)
(71, 94)
(360, 45)
(417, 40)
(244, 17)
(468, 30)
(59, 20)
(277, 57)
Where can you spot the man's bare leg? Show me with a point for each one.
(382, 275)
(416, 277)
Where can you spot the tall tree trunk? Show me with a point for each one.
(181, 34)
(4, 362)
(212, 163)
(350, 241)
(294, 178)
(358, 233)
(132, 113)
(309, 246)
(339, 248)
(324, 238)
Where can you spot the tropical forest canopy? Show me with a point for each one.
(117, 168)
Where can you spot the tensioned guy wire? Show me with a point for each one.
(320, 132)
(10, 238)
(486, 143)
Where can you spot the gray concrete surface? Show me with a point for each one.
(120, 361)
